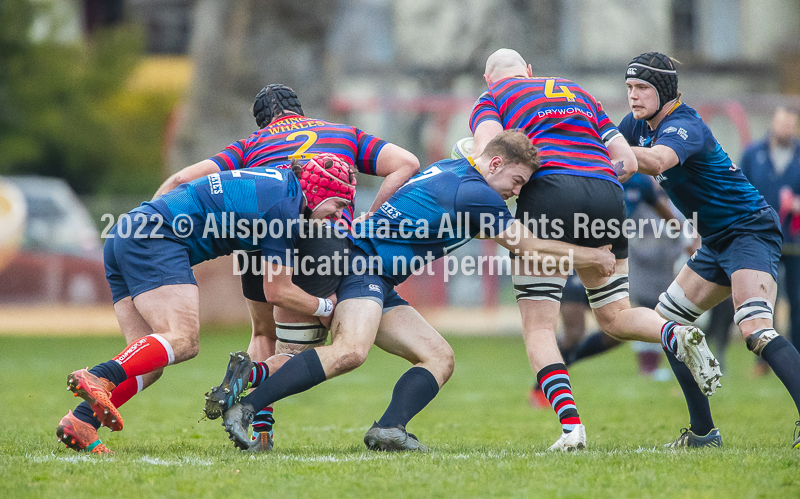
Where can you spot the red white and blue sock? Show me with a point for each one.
(258, 374)
(554, 380)
(263, 421)
(668, 339)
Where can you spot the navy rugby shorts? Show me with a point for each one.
(752, 243)
(136, 264)
(369, 285)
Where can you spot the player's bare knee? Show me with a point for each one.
(350, 359)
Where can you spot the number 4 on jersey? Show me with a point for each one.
(550, 93)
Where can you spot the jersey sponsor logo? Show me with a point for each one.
(683, 133)
(670, 129)
(390, 210)
(565, 111)
(660, 178)
(375, 288)
(215, 183)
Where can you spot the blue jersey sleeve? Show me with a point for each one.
(626, 128)
(281, 249)
(485, 207)
(684, 136)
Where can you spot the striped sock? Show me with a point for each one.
(554, 380)
(263, 421)
(259, 373)
(668, 340)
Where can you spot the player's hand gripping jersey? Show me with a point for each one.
(217, 214)
(435, 212)
(705, 181)
(568, 126)
(302, 138)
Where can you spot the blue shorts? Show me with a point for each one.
(753, 243)
(370, 286)
(135, 265)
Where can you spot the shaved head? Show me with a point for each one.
(504, 63)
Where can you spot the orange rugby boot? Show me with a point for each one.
(80, 436)
(97, 393)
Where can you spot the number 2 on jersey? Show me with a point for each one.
(550, 93)
(310, 136)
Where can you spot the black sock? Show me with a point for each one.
(784, 360)
(412, 392)
(111, 371)
(85, 413)
(594, 344)
(700, 419)
(298, 374)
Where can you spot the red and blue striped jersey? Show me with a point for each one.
(299, 137)
(564, 121)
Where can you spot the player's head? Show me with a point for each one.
(652, 82)
(328, 183)
(507, 162)
(273, 101)
(784, 126)
(505, 63)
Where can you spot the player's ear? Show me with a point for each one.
(495, 164)
(530, 71)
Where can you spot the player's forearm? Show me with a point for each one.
(650, 162)
(580, 257)
(291, 297)
(188, 174)
(389, 186)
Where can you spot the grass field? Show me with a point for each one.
(485, 440)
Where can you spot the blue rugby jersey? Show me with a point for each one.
(705, 181)
(563, 120)
(234, 200)
(302, 138)
(442, 207)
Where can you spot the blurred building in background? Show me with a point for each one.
(409, 71)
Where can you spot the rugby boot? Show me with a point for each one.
(261, 443)
(796, 444)
(96, 392)
(237, 422)
(694, 352)
(392, 439)
(572, 441)
(232, 388)
(80, 436)
(688, 439)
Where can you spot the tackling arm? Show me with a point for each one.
(522, 242)
(655, 160)
(195, 171)
(281, 292)
(397, 166)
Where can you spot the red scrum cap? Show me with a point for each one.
(326, 176)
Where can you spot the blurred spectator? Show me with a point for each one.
(773, 166)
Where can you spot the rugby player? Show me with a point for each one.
(417, 219)
(284, 134)
(583, 160)
(148, 259)
(741, 236)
